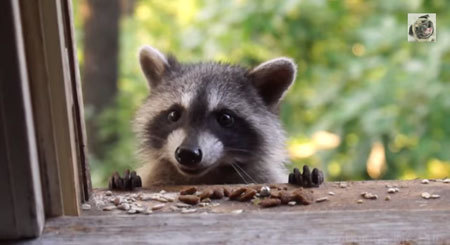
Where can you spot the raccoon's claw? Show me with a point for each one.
(129, 181)
(307, 179)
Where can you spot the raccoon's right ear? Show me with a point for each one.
(272, 79)
(154, 64)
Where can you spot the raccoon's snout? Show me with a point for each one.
(188, 156)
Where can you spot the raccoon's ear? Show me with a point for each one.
(153, 64)
(273, 78)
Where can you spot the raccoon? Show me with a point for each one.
(210, 122)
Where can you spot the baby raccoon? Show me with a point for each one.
(211, 123)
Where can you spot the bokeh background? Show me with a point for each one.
(366, 103)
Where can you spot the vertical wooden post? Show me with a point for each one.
(57, 104)
(21, 208)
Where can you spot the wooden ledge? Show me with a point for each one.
(406, 217)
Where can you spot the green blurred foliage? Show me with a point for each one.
(358, 77)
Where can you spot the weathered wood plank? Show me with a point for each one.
(408, 197)
(21, 207)
(317, 227)
(62, 103)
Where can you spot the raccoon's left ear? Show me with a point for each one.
(273, 78)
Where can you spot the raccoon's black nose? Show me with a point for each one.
(188, 156)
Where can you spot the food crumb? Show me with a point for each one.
(322, 199)
(425, 195)
(435, 196)
(86, 206)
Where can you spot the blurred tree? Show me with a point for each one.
(100, 68)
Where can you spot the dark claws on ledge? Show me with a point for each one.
(129, 181)
(307, 179)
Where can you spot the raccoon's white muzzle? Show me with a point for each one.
(194, 155)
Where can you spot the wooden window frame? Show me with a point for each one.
(43, 140)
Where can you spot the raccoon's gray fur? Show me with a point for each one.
(211, 123)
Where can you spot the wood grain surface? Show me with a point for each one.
(406, 218)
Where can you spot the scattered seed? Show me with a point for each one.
(218, 193)
(264, 191)
(117, 201)
(303, 197)
(425, 181)
(367, 195)
(270, 202)
(425, 195)
(99, 203)
(85, 206)
(190, 210)
(206, 194)
(286, 197)
(226, 191)
(343, 185)
(154, 197)
(109, 208)
(331, 193)
(158, 206)
(182, 205)
(248, 194)
(203, 204)
(169, 199)
(274, 194)
(188, 190)
(387, 198)
(292, 203)
(360, 201)
(189, 199)
(124, 206)
(161, 199)
(108, 193)
(235, 194)
(322, 199)
(447, 181)
(174, 208)
(237, 211)
(435, 196)
(391, 190)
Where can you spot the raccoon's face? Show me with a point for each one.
(206, 115)
(423, 28)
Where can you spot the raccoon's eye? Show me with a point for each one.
(173, 116)
(225, 119)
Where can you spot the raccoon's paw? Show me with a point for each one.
(307, 179)
(129, 181)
